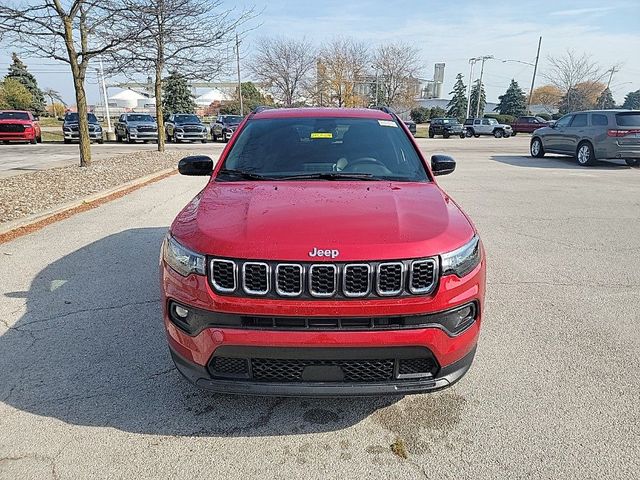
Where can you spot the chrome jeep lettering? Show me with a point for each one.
(316, 252)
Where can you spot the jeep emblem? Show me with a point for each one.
(316, 252)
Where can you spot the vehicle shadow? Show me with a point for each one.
(90, 350)
(558, 161)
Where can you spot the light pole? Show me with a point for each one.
(484, 58)
(239, 82)
(472, 62)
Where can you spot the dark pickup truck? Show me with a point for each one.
(528, 124)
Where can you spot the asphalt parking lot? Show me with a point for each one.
(17, 158)
(87, 387)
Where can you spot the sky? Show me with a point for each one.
(449, 32)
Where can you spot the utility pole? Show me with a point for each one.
(472, 62)
(106, 100)
(239, 82)
(611, 71)
(484, 58)
(533, 79)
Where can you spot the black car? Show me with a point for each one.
(445, 127)
(411, 125)
(70, 129)
(185, 126)
(224, 126)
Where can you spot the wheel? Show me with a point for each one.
(469, 132)
(5, 142)
(176, 140)
(118, 138)
(537, 149)
(39, 139)
(33, 141)
(168, 137)
(431, 134)
(204, 140)
(513, 134)
(129, 140)
(633, 162)
(584, 154)
(100, 141)
(446, 135)
(462, 135)
(66, 140)
(498, 133)
(476, 135)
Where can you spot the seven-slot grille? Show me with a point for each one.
(324, 280)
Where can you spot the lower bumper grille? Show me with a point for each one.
(286, 370)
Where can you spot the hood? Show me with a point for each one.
(287, 220)
(138, 124)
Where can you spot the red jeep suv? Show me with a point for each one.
(322, 258)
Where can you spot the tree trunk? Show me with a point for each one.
(83, 122)
(159, 111)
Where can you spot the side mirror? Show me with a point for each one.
(36, 118)
(442, 164)
(196, 165)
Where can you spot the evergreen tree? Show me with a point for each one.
(478, 95)
(513, 102)
(457, 106)
(632, 100)
(18, 71)
(605, 100)
(176, 96)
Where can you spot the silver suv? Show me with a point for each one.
(486, 126)
(592, 135)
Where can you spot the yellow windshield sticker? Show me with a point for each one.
(321, 135)
(387, 123)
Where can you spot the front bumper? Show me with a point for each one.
(76, 135)
(200, 376)
(17, 137)
(191, 135)
(193, 354)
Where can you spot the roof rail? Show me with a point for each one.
(261, 108)
(384, 108)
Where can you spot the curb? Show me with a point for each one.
(31, 223)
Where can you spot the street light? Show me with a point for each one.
(472, 62)
(484, 58)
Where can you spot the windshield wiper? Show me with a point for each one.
(331, 176)
(243, 174)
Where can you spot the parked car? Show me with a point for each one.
(528, 124)
(445, 127)
(185, 126)
(224, 126)
(136, 126)
(474, 127)
(322, 258)
(70, 130)
(592, 135)
(411, 125)
(19, 126)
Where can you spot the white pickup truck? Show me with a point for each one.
(486, 126)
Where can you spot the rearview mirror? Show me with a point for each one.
(442, 164)
(196, 165)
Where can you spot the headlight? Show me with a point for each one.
(463, 260)
(133, 129)
(181, 259)
(179, 129)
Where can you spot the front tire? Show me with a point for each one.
(632, 162)
(536, 148)
(33, 141)
(469, 133)
(446, 135)
(431, 134)
(498, 133)
(585, 155)
(67, 141)
(129, 139)
(513, 134)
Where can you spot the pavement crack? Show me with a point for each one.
(22, 326)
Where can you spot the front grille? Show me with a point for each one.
(255, 278)
(146, 129)
(289, 278)
(390, 278)
(288, 370)
(223, 275)
(324, 280)
(11, 128)
(193, 129)
(300, 370)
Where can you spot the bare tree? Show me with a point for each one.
(284, 66)
(73, 32)
(398, 65)
(568, 70)
(188, 36)
(343, 63)
(53, 95)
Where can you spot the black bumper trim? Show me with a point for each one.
(447, 376)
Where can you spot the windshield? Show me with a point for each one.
(450, 120)
(340, 147)
(232, 118)
(73, 118)
(14, 116)
(140, 118)
(187, 119)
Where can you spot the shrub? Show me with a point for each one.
(420, 114)
(501, 118)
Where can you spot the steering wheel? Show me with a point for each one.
(363, 161)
